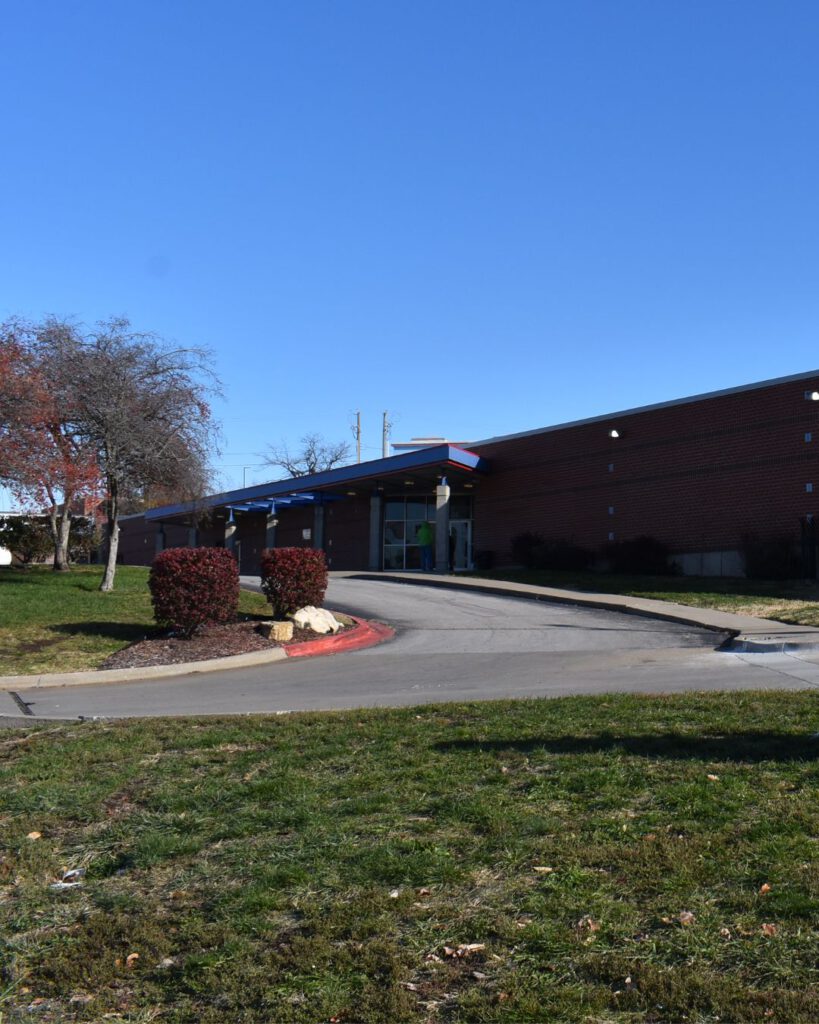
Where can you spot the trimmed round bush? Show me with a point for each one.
(193, 587)
(292, 578)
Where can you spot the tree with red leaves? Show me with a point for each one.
(44, 458)
(105, 408)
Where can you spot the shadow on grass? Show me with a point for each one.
(129, 632)
(37, 576)
(13, 574)
(735, 746)
(599, 582)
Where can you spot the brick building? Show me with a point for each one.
(698, 474)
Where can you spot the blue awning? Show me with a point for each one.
(317, 488)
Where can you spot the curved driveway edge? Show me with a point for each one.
(363, 634)
(747, 633)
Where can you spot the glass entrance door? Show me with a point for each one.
(460, 543)
(403, 516)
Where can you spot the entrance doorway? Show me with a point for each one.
(460, 543)
(403, 516)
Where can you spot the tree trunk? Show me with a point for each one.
(111, 541)
(61, 561)
(55, 534)
(59, 523)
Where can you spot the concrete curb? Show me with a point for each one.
(364, 634)
(127, 675)
(746, 634)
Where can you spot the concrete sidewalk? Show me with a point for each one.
(749, 634)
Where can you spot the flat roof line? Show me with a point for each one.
(812, 374)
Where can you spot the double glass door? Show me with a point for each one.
(403, 517)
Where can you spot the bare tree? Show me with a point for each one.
(314, 456)
(144, 407)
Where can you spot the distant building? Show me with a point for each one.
(417, 443)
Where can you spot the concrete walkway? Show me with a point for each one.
(749, 632)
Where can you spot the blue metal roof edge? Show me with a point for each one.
(342, 475)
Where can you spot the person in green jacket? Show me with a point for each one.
(426, 538)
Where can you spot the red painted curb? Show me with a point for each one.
(363, 634)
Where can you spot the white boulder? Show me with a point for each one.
(317, 619)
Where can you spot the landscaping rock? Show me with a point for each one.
(317, 619)
(281, 632)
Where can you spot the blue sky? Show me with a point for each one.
(482, 217)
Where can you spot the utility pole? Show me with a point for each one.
(385, 436)
(358, 437)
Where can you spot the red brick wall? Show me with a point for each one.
(291, 523)
(137, 539)
(249, 541)
(695, 475)
(347, 532)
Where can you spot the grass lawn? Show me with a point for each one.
(786, 601)
(382, 866)
(60, 622)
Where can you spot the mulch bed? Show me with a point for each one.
(208, 642)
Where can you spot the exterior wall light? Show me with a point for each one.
(614, 433)
(812, 396)
(409, 483)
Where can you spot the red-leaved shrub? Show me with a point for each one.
(293, 578)
(191, 587)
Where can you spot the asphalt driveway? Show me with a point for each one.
(449, 645)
